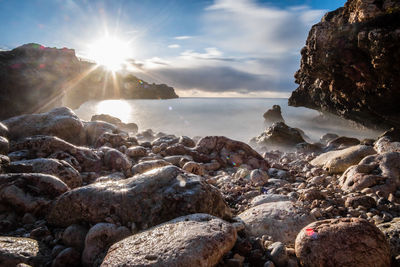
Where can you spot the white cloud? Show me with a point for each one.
(183, 37)
(174, 46)
(211, 53)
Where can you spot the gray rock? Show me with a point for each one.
(67, 257)
(194, 240)
(146, 200)
(278, 254)
(74, 236)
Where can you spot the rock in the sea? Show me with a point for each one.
(50, 146)
(281, 220)
(350, 63)
(343, 242)
(58, 168)
(193, 240)
(30, 192)
(146, 200)
(379, 172)
(279, 135)
(273, 115)
(61, 122)
(99, 238)
(18, 250)
(339, 160)
(391, 230)
(228, 152)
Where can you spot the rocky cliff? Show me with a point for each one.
(351, 63)
(35, 78)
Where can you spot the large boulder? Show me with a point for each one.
(281, 220)
(19, 250)
(279, 135)
(58, 168)
(61, 122)
(194, 240)
(30, 192)
(338, 161)
(343, 242)
(146, 200)
(379, 172)
(350, 63)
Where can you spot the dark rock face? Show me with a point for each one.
(273, 115)
(350, 64)
(34, 78)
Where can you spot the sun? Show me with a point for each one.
(110, 52)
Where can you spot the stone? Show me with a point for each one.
(273, 115)
(30, 192)
(268, 198)
(349, 57)
(147, 199)
(94, 129)
(74, 236)
(342, 142)
(194, 167)
(99, 238)
(186, 141)
(258, 177)
(136, 152)
(391, 230)
(59, 168)
(384, 145)
(41, 146)
(338, 161)
(365, 201)
(16, 250)
(3, 130)
(193, 240)
(328, 137)
(278, 254)
(4, 145)
(67, 257)
(279, 135)
(116, 161)
(149, 165)
(106, 118)
(342, 242)
(115, 140)
(61, 122)
(281, 220)
(379, 172)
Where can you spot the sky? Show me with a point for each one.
(203, 48)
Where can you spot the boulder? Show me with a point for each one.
(281, 220)
(273, 115)
(385, 144)
(146, 200)
(193, 240)
(136, 152)
(339, 160)
(59, 168)
(350, 64)
(19, 250)
(49, 146)
(279, 135)
(30, 192)
(61, 122)
(99, 238)
(343, 242)
(379, 172)
(74, 236)
(148, 165)
(342, 142)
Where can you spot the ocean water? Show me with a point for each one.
(236, 118)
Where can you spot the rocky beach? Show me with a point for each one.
(103, 192)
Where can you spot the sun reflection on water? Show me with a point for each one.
(117, 108)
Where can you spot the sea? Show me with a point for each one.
(236, 118)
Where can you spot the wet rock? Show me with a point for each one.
(175, 193)
(41, 146)
(279, 135)
(58, 168)
(74, 236)
(194, 240)
(99, 238)
(281, 220)
(391, 230)
(379, 172)
(273, 115)
(116, 161)
(67, 257)
(149, 165)
(342, 242)
(136, 152)
(228, 152)
(258, 177)
(3, 130)
(4, 145)
(30, 192)
(61, 122)
(338, 161)
(16, 250)
(194, 167)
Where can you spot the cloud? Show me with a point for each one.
(183, 37)
(174, 46)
